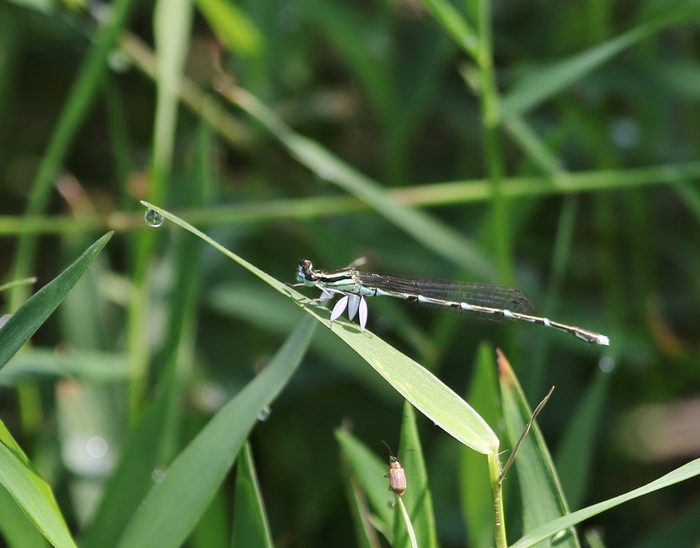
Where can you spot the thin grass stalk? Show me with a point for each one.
(490, 117)
(497, 498)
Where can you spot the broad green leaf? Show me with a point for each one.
(250, 526)
(173, 506)
(31, 491)
(415, 383)
(29, 317)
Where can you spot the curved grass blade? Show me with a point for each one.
(683, 473)
(415, 383)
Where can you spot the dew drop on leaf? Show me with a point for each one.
(153, 218)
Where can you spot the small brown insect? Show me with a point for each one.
(397, 476)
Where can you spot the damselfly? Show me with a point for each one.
(484, 301)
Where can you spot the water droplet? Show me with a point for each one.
(3, 319)
(97, 447)
(153, 218)
(607, 364)
(264, 413)
(158, 475)
(625, 133)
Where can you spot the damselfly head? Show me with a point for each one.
(305, 272)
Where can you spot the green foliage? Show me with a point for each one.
(174, 398)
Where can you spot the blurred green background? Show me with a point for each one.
(580, 189)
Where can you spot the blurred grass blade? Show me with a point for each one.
(75, 107)
(173, 506)
(172, 20)
(24, 323)
(542, 499)
(432, 233)
(16, 283)
(47, 363)
(574, 458)
(31, 491)
(543, 83)
(144, 456)
(474, 484)
(455, 25)
(415, 383)
(232, 27)
(417, 499)
(543, 532)
(250, 526)
(369, 471)
(343, 26)
(363, 520)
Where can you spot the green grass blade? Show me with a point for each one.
(542, 84)
(31, 491)
(250, 526)
(365, 533)
(84, 365)
(406, 521)
(541, 496)
(455, 25)
(474, 484)
(133, 477)
(417, 499)
(543, 532)
(24, 323)
(173, 506)
(16, 529)
(415, 383)
(369, 471)
(16, 283)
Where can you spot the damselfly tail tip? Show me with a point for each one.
(603, 340)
